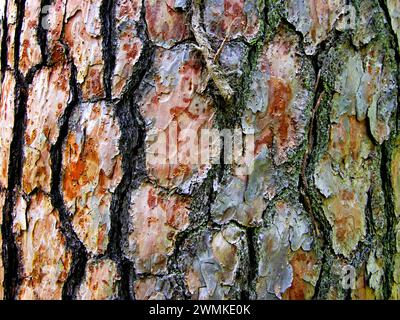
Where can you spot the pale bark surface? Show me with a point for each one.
(90, 88)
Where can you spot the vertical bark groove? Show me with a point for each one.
(10, 251)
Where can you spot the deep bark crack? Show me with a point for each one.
(10, 251)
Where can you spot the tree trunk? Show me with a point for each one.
(169, 149)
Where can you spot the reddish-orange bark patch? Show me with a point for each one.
(92, 169)
(30, 54)
(49, 88)
(177, 115)
(304, 268)
(276, 124)
(83, 36)
(156, 220)
(166, 26)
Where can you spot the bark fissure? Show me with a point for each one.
(4, 47)
(10, 251)
(79, 253)
(390, 236)
(383, 5)
(132, 149)
(107, 12)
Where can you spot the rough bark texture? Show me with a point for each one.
(89, 91)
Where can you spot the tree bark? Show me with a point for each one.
(105, 188)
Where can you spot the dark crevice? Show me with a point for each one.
(10, 255)
(126, 268)
(311, 144)
(319, 290)
(383, 5)
(252, 272)
(131, 146)
(18, 29)
(79, 254)
(306, 185)
(4, 47)
(130, 139)
(370, 223)
(390, 236)
(107, 13)
(9, 250)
